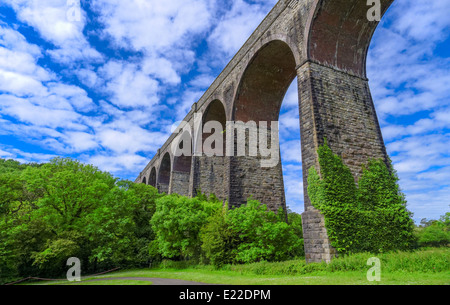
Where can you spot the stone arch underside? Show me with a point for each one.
(210, 171)
(258, 99)
(164, 174)
(339, 34)
(152, 177)
(182, 164)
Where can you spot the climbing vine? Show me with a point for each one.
(368, 216)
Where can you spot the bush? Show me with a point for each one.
(426, 261)
(219, 241)
(177, 223)
(436, 234)
(263, 234)
(251, 233)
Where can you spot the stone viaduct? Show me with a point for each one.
(324, 43)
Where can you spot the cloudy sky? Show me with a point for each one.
(104, 84)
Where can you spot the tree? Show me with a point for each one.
(262, 234)
(177, 223)
(219, 241)
(436, 233)
(69, 190)
(119, 229)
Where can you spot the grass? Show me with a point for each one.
(109, 282)
(422, 267)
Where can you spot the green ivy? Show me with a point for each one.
(370, 216)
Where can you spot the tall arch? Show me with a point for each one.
(152, 177)
(165, 170)
(210, 176)
(264, 83)
(339, 33)
(182, 163)
(259, 97)
(144, 180)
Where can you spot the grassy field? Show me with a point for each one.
(424, 267)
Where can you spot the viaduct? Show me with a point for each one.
(324, 43)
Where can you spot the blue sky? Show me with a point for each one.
(107, 88)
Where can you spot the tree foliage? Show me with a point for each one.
(251, 233)
(435, 233)
(177, 223)
(63, 208)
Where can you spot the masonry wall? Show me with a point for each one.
(337, 106)
(210, 175)
(179, 183)
(248, 178)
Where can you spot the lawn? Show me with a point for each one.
(424, 267)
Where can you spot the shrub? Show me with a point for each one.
(263, 234)
(251, 233)
(177, 223)
(437, 234)
(219, 242)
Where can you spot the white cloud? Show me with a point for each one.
(129, 86)
(236, 26)
(50, 19)
(5, 154)
(118, 163)
(153, 25)
(162, 69)
(202, 81)
(27, 112)
(80, 141)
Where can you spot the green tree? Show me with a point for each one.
(436, 233)
(119, 229)
(295, 222)
(263, 234)
(177, 223)
(70, 190)
(219, 241)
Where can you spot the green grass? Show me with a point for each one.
(423, 267)
(108, 282)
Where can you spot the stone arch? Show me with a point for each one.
(260, 94)
(165, 171)
(152, 177)
(182, 164)
(144, 180)
(339, 34)
(264, 83)
(210, 166)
